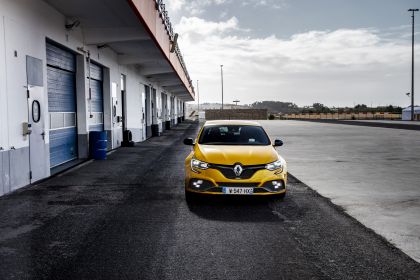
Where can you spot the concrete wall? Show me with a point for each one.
(4, 133)
(237, 114)
(24, 28)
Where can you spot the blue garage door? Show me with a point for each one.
(61, 68)
(96, 121)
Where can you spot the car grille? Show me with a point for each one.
(228, 172)
(256, 189)
(240, 185)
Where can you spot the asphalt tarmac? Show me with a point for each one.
(126, 218)
(372, 172)
(395, 124)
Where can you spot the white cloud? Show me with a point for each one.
(192, 7)
(175, 5)
(275, 4)
(333, 67)
(197, 26)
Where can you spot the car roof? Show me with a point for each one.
(231, 122)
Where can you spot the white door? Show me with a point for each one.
(143, 114)
(37, 149)
(116, 122)
(35, 127)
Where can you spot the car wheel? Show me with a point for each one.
(190, 198)
(280, 196)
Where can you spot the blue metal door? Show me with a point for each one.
(96, 120)
(61, 68)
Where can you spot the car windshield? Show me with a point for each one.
(233, 135)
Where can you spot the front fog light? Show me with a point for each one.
(197, 183)
(277, 184)
(200, 184)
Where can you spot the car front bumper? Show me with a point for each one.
(212, 181)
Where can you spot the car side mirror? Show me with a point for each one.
(189, 142)
(278, 143)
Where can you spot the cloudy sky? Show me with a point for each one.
(336, 52)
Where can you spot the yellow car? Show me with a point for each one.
(234, 158)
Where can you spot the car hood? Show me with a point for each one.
(229, 155)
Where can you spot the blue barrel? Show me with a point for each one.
(98, 144)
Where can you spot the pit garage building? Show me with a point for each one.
(71, 67)
(406, 113)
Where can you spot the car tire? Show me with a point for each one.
(190, 198)
(280, 196)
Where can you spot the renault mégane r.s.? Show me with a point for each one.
(234, 158)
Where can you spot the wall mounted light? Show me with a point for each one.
(102, 46)
(70, 25)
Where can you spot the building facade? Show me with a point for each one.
(406, 113)
(72, 67)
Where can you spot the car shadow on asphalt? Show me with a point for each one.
(233, 209)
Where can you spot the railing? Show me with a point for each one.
(160, 6)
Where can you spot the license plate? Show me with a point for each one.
(230, 190)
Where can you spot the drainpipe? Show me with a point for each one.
(89, 85)
(87, 55)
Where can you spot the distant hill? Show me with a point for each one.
(276, 107)
(207, 106)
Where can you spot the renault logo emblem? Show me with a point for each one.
(238, 170)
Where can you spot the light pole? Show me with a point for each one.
(221, 75)
(412, 64)
(198, 101)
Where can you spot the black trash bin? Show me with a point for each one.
(127, 139)
(168, 125)
(155, 130)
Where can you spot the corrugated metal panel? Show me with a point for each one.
(96, 123)
(96, 72)
(97, 96)
(96, 127)
(60, 58)
(61, 67)
(61, 90)
(63, 145)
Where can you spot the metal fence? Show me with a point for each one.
(345, 116)
(236, 114)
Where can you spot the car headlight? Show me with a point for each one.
(198, 164)
(278, 164)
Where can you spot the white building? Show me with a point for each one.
(71, 67)
(406, 113)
